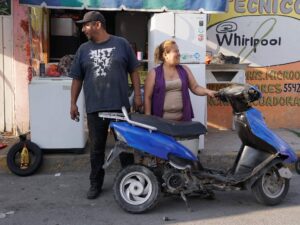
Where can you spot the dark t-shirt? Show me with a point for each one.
(104, 69)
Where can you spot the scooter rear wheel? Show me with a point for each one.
(271, 188)
(136, 189)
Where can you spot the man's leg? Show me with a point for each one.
(98, 129)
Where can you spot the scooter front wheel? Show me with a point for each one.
(136, 189)
(271, 188)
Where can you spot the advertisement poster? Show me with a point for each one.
(5, 7)
(39, 33)
(265, 35)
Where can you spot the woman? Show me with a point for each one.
(167, 86)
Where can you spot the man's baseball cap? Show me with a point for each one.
(92, 16)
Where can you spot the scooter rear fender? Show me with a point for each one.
(152, 142)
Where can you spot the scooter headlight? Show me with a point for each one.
(120, 136)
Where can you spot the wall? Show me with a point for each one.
(7, 82)
(264, 34)
(21, 73)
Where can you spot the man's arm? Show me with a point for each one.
(75, 91)
(135, 79)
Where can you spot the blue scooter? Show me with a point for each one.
(166, 158)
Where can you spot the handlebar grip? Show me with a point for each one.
(217, 95)
(221, 96)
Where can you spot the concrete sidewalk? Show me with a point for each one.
(221, 148)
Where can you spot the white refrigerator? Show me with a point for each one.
(189, 32)
(50, 124)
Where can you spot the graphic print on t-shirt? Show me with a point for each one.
(102, 60)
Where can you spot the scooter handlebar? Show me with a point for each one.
(221, 95)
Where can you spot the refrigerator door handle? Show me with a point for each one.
(174, 27)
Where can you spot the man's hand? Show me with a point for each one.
(138, 104)
(75, 91)
(135, 78)
(74, 112)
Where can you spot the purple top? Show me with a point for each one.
(158, 96)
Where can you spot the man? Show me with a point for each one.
(101, 66)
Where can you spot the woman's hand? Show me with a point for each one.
(211, 93)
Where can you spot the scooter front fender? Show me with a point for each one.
(260, 129)
(284, 172)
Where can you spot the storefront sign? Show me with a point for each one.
(279, 87)
(136, 5)
(263, 33)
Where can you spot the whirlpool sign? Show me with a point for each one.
(258, 40)
(226, 34)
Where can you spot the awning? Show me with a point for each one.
(208, 6)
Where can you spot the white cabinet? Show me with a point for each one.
(50, 123)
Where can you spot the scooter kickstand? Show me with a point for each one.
(186, 201)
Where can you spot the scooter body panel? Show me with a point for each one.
(249, 159)
(260, 129)
(154, 143)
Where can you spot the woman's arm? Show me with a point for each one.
(148, 91)
(195, 87)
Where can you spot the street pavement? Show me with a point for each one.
(59, 199)
(56, 194)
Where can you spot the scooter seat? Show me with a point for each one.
(183, 129)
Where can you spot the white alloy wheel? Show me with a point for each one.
(136, 188)
(273, 184)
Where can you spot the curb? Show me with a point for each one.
(72, 162)
(68, 162)
(61, 162)
(57, 162)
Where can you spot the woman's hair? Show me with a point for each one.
(165, 46)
